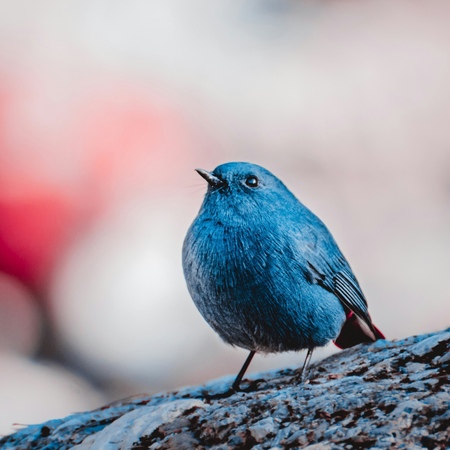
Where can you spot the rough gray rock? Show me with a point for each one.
(385, 395)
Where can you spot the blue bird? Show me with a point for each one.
(265, 272)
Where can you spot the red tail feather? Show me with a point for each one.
(356, 332)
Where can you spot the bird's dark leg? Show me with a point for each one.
(306, 364)
(237, 381)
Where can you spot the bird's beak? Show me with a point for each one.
(210, 178)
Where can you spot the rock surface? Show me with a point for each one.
(385, 395)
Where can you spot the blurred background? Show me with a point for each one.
(106, 107)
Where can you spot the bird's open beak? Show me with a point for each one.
(210, 178)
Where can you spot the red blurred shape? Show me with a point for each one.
(32, 231)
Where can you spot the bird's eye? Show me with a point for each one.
(252, 181)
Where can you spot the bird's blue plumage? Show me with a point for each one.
(263, 270)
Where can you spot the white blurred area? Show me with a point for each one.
(107, 107)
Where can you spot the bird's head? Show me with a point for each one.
(244, 187)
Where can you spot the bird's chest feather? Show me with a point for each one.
(239, 266)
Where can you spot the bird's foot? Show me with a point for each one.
(251, 386)
(219, 395)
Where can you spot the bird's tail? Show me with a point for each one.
(355, 331)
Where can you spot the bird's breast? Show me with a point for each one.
(236, 269)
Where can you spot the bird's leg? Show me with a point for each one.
(306, 364)
(236, 384)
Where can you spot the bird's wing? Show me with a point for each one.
(327, 267)
(347, 289)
